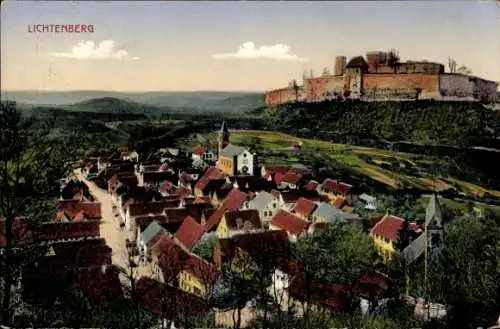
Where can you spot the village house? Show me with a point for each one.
(177, 267)
(169, 303)
(368, 201)
(135, 209)
(236, 160)
(385, 234)
(286, 221)
(148, 238)
(189, 233)
(326, 213)
(201, 187)
(82, 266)
(91, 210)
(203, 156)
(265, 203)
(304, 209)
(239, 222)
(290, 180)
(234, 201)
(198, 277)
(334, 189)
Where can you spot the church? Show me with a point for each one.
(233, 160)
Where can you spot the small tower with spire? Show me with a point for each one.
(223, 138)
(434, 225)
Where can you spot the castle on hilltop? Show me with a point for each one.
(382, 77)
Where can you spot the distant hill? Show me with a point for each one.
(110, 105)
(210, 101)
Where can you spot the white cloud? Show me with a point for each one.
(277, 51)
(90, 50)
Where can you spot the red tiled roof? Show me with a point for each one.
(330, 184)
(249, 219)
(304, 206)
(334, 186)
(73, 207)
(292, 178)
(311, 186)
(372, 286)
(289, 222)
(279, 176)
(200, 150)
(158, 176)
(339, 203)
(144, 221)
(189, 233)
(202, 269)
(389, 226)
(151, 207)
(234, 201)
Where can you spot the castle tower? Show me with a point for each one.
(223, 138)
(340, 63)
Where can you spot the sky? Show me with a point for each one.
(232, 46)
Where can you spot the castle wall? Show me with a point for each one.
(401, 86)
(281, 96)
(456, 86)
(485, 90)
(323, 88)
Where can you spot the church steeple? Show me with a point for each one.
(223, 138)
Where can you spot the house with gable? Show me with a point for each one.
(326, 213)
(189, 233)
(291, 180)
(368, 201)
(203, 186)
(146, 208)
(334, 189)
(286, 221)
(239, 222)
(304, 208)
(203, 155)
(265, 203)
(176, 267)
(149, 237)
(385, 234)
(235, 161)
(234, 201)
(198, 277)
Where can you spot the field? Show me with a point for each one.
(398, 170)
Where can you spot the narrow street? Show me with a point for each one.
(110, 226)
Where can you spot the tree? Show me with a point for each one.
(206, 246)
(337, 254)
(326, 72)
(466, 276)
(32, 163)
(393, 59)
(464, 70)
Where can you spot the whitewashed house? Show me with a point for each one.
(265, 203)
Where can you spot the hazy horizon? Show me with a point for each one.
(231, 46)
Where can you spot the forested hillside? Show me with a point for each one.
(426, 122)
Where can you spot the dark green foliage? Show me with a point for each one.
(206, 246)
(466, 276)
(450, 123)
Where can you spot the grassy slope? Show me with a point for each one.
(352, 156)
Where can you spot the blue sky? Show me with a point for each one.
(171, 45)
